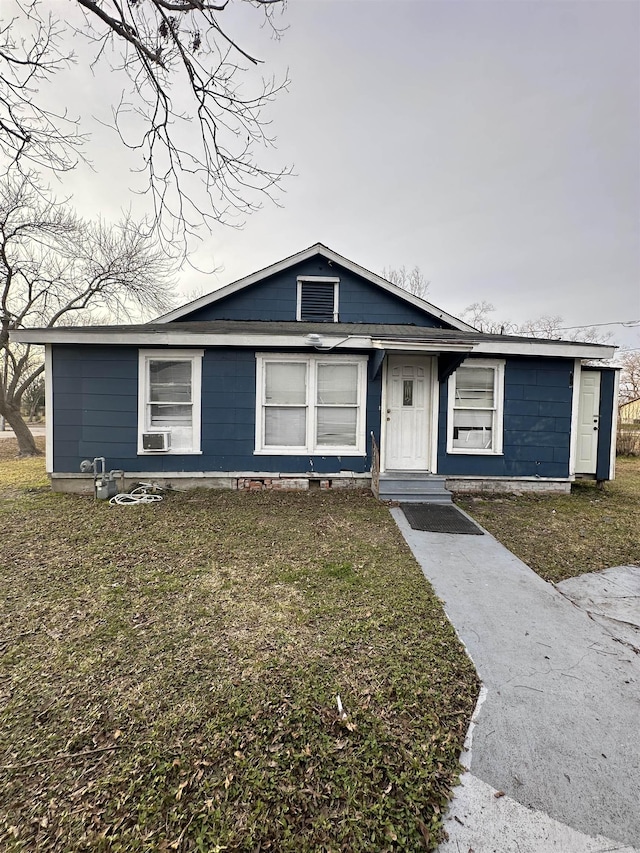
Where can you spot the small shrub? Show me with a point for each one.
(628, 443)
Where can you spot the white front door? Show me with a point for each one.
(407, 413)
(588, 422)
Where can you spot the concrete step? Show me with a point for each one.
(413, 487)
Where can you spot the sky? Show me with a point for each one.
(495, 145)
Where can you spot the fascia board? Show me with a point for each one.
(547, 348)
(190, 339)
(173, 338)
(330, 255)
(394, 345)
(170, 338)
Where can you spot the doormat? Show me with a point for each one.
(436, 518)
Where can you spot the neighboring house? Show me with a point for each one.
(629, 413)
(317, 372)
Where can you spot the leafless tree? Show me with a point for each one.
(552, 326)
(34, 398)
(410, 280)
(629, 376)
(56, 268)
(182, 107)
(478, 315)
(549, 326)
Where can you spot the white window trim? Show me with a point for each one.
(310, 448)
(195, 357)
(322, 279)
(498, 417)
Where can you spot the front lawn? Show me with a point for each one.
(564, 536)
(169, 675)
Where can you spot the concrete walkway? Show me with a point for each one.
(558, 732)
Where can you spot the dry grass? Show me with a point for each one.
(565, 536)
(169, 675)
(21, 473)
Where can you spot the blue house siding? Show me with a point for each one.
(537, 424)
(274, 298)
(96, 414)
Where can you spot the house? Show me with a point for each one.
(629, 412)
(315, 372)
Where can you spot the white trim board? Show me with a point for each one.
(48, 405)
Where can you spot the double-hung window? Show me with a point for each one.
(476, 392)
(311, 404)
(169, 389)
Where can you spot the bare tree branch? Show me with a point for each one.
(183, 109)
(29, 129)
(411, 280)
(57, 267)
(630, 376)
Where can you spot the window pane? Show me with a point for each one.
(170, 381)
(286, 383)
(474, 387)
(285, 427)
(164, 416)
(337, 427)
(407, 392)
(472, 430)
(337, 384)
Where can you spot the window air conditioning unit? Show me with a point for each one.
(157, 441)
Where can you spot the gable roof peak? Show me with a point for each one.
(331, 256)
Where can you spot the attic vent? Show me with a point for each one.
(318, 299)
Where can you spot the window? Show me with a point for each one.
(476, 392)
(317, 299)
(310, 404)
(169, 401)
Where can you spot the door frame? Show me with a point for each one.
(576, 419)
(433, 399)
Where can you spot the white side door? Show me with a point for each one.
(407, 413)
(588, 422)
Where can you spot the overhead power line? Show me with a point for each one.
(628, 324)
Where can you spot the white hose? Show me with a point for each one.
(139, 495)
